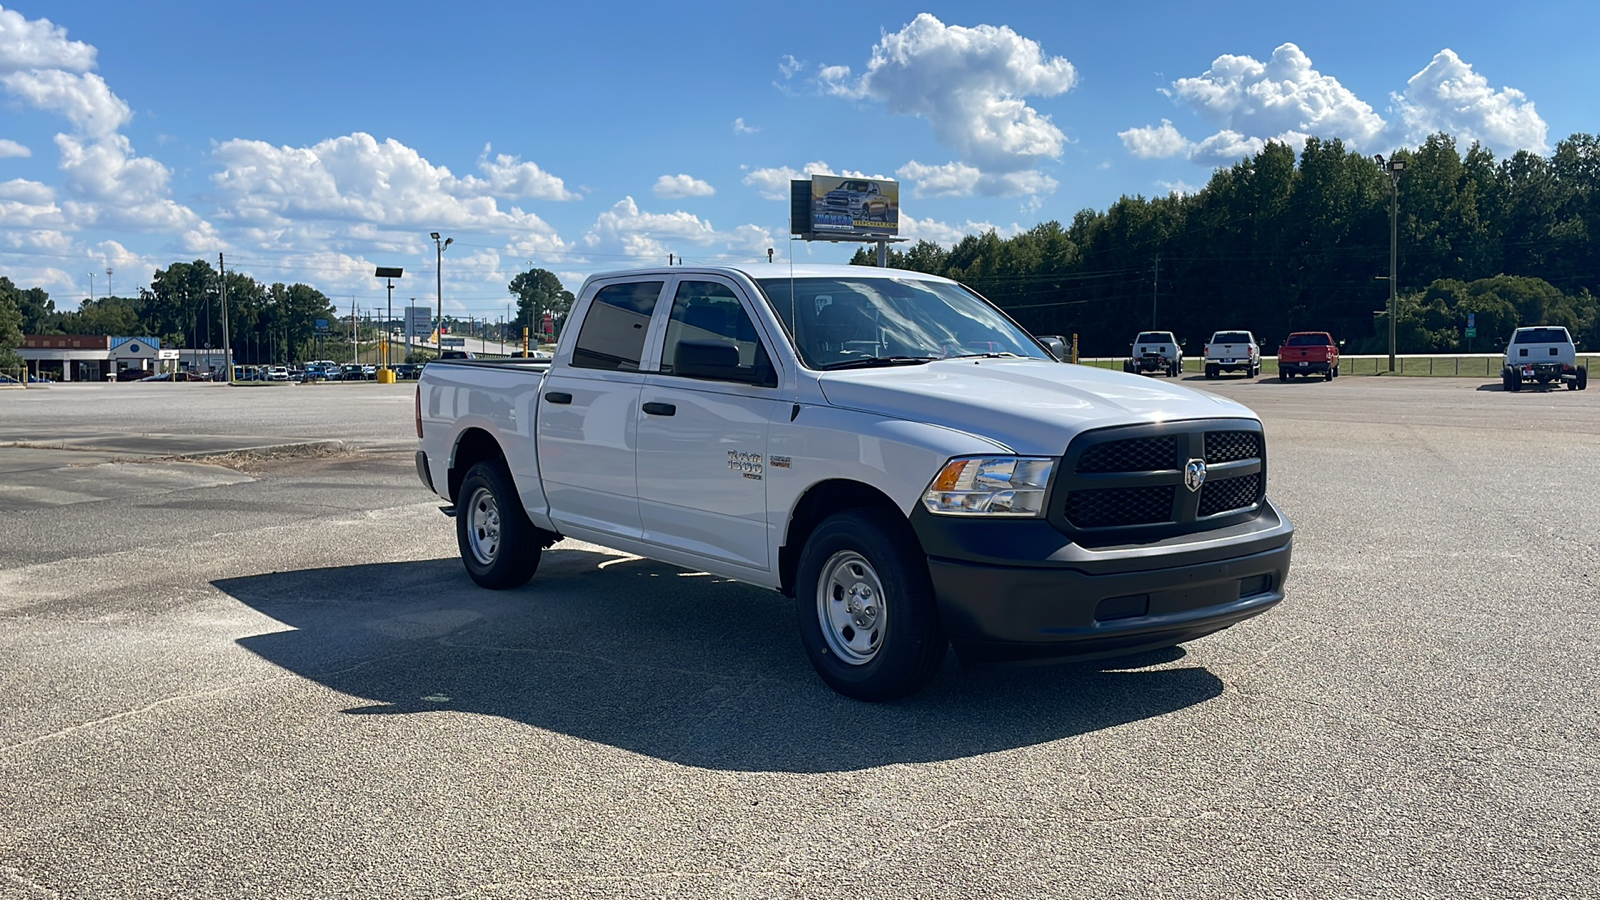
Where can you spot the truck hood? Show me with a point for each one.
(1032, 406)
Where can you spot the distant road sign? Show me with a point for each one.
(1472, 320)
(322, 325)
(1472, 332)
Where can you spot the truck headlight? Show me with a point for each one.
(990, 486)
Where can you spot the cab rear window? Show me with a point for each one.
(1541, 336)
(1155, 337)
(1307, 340)
(1230, 337)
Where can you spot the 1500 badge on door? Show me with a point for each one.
(747, 463)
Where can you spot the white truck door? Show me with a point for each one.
(589, 414)
(703, 428)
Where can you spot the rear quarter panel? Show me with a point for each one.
(500, 399)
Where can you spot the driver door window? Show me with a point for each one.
(709, 311)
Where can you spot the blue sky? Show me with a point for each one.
(313, 141)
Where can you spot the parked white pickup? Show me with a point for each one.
(885, 447)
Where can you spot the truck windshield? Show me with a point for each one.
(855, 322)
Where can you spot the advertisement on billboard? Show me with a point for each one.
(847, 207)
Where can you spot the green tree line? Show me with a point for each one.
(1279, 243)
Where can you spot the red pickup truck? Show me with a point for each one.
(1308, 353)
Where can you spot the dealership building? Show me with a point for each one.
(96, 357)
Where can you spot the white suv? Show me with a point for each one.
(1543, 354)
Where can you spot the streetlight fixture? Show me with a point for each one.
(1394, 167)
(438, 328)
(388, 274)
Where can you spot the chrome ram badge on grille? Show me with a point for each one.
(1194, 474)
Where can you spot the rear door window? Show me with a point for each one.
(615, 327)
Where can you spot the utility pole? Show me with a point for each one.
(1394, 167)
(1155, 291)
(227, 346)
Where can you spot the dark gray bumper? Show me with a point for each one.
(1085, 603)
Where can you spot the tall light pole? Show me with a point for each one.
(438, 328)
(1394, 167)
(108, 281)
(388, 274)
(91, 287)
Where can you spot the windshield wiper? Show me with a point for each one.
(874, 362)
(1004, 354)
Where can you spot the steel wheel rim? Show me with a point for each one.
(850, 608)
(483, 526)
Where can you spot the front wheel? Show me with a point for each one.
(864, 605)
(499, 546)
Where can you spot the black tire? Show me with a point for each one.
(1283, 375)
(499, 546)
(1516, 381)
(1328, 376)
(1583, 378)
(880, 638)
(1211, 371)
(1127, 366)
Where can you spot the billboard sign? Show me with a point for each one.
(831, 206)
(322, 326)
(419, 322)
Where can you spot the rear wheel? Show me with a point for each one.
(1211, 371)
(1583, 377)
(864, 605)
(1328, 375)
(499, 546)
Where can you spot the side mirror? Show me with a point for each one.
(715, 361)
(1056, 345)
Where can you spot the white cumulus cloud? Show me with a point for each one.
(1286, 100)
(949, 234)
(739, 127)
(960, 180)
(670, 186)
(10, 149)
(1448, 96)
(773, 183)
(630, 231)
(1156, 142)
(352, 182)
(39, 44)
(510, 177)
(969, 84)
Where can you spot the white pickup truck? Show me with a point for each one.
(1231, 351)
(885, 447)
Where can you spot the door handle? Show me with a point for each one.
(660, 409)
(557, 397)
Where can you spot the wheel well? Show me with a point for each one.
(473, 446)
(820, 501)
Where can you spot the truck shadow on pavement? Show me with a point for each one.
(676, 665)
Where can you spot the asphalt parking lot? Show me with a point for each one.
(273, 679)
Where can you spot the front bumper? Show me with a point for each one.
(1003, 598)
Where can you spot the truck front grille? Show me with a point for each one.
(1112, 507)
(1229, 494)
(1129, 482)
(1136, 455)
